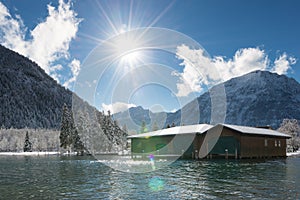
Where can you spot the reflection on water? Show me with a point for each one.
(83, 178)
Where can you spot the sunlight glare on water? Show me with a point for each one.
(156, 184)
(59, 177)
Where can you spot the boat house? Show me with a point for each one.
(208, 141)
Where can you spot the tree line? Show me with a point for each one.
(19, 140)
(292, 128)
(83, 136)
(90, 131)
(155, 127)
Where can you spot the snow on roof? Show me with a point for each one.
(201, 128)
(198, 128)
(256, 131)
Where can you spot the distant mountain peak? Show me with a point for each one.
(258, 98)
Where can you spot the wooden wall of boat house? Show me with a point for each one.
(250, 145)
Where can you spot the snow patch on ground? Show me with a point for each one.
(35, 153)
(293, 153)
(70, 154)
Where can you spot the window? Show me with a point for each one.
(266, 142)
(279, 144)
(275, 143)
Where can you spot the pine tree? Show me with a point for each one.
(155, 126)
(144, 127)
(78, 145)
(83, 130)
(65, 128)
(124, 136)
(124, 128)
(173, 124)
(69, 137)
(73, 128)
(27, 143)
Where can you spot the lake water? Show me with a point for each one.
(57, 177)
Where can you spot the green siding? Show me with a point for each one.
(226, 142)
(149, 145)
(164, 144)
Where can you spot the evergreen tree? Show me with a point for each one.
(27, 143)
(69, 136)
(144, 127)
(73, 130)
(78, 145)
(124, 128)
(65, 129)
(124, 136)
(155, 126)
(116, 123)
(83, 130)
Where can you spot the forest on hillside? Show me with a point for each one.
(13, 140)
(89, 130)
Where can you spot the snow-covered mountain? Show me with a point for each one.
(258, 98)
(28, 96)
(135, 116)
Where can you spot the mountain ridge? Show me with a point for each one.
(258, 98)
(29, 97)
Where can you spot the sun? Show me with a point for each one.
(128, 48)
(132, 57)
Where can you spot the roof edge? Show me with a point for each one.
(238, 128)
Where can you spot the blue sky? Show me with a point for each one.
(239, 36)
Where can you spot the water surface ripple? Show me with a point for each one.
(83, 178)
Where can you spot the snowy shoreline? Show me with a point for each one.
(34, 153)
(293, 153)
(45, 153)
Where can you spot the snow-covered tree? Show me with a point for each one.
(13, 140)
(292, 128)
(69, 137)
(155, 126)
(173, 124)
(124, 138)
(124, 128)
(66, 129)
(27, 143)
(144, 127)
(78, 145)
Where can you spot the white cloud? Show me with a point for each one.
(116, 107)
(199, 69)
(244, 61)
(283, 64)
(12, 31)
(50, 39)
(196, 64)
(57, 67)
(75, 67)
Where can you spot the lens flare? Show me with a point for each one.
(100, 80)
(156, 184)
(151, 157)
